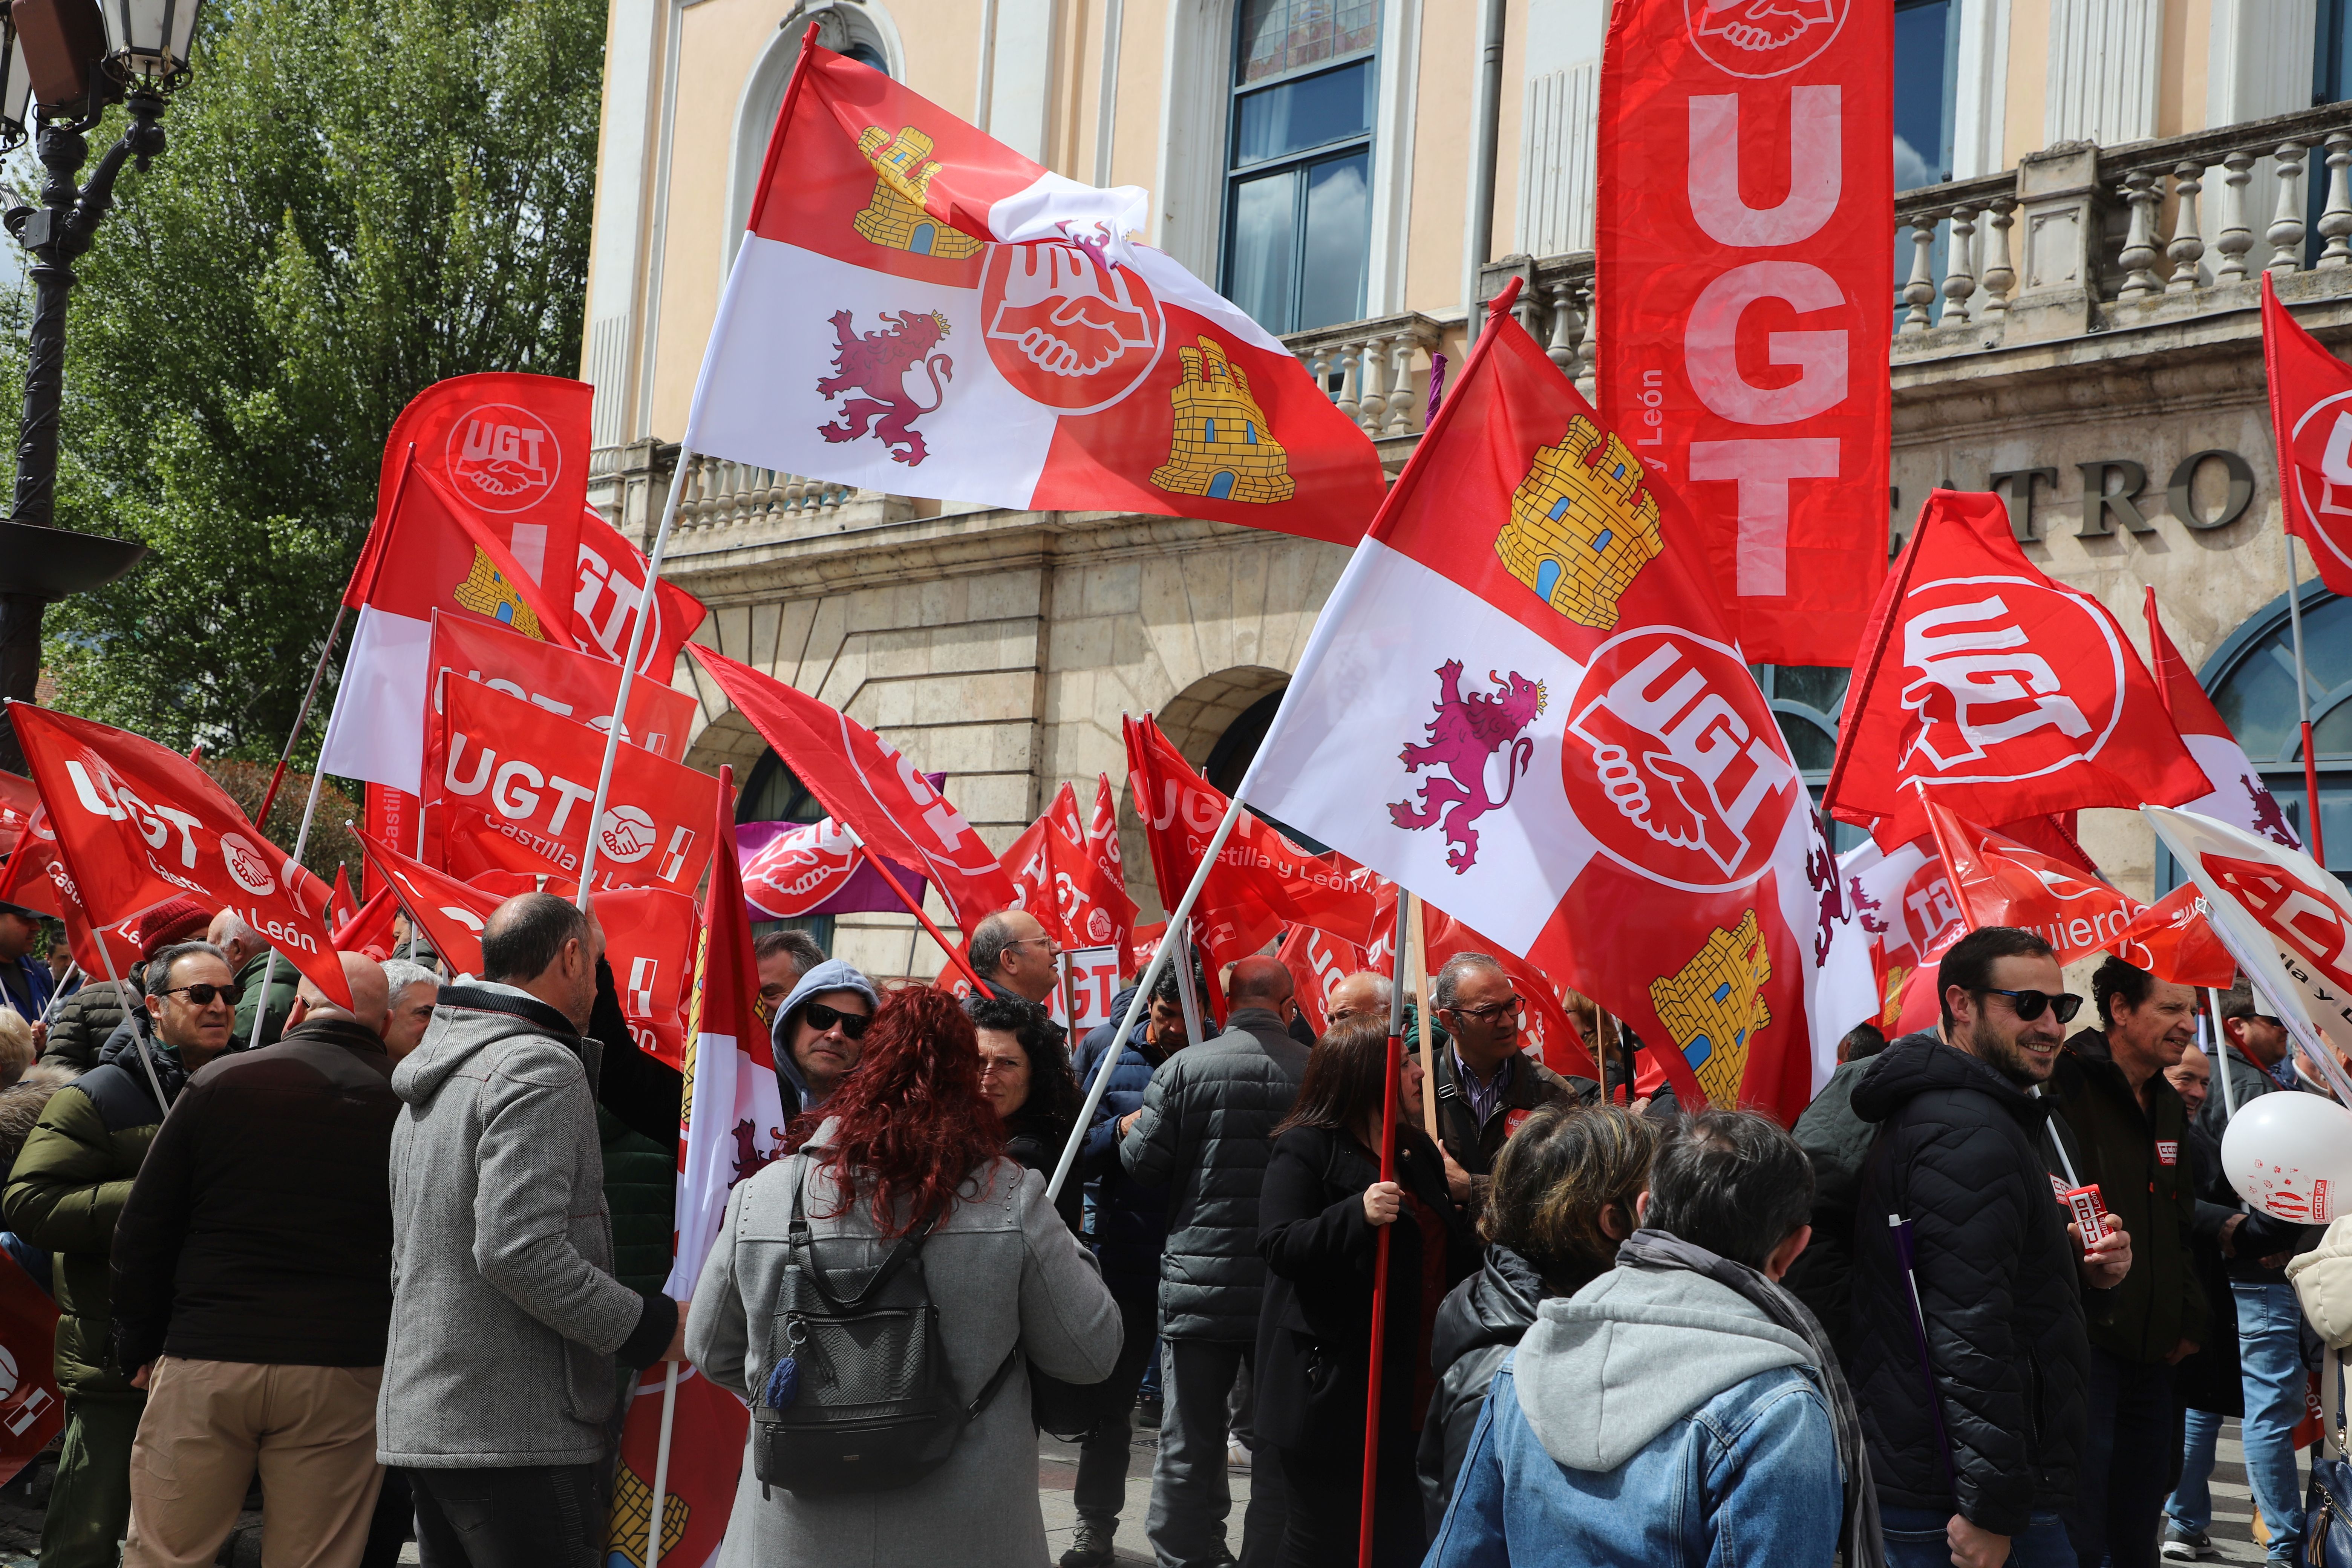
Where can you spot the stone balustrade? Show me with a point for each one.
(1375, 373)
(720, 494)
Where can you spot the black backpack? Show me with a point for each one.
(858, 1396)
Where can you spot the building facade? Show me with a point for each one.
(2091, 191)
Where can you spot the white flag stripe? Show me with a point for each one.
(376, 731)
(757, 400)
(2239, 797)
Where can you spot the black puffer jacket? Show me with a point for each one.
(1205, 1132)
(82, 1024)
(1836, 1140)
(1958, 1154)
(1477, 1324)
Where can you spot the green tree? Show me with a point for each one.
(360, 197)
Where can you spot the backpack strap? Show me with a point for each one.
(908, 1246)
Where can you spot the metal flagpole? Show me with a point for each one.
(629, 665)
(1600, 1053)
(269, 964)
(302, 717)
(2222, 1057)
(661, 1467)
(58, 994)
(915, 907)
(1142, 997)
(1380, 1249)
(2302, 703)
(138, 1034)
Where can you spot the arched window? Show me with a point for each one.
(774, 793)
(1298, 204)
(2252, 680)
(1808, 700)
(864, 32)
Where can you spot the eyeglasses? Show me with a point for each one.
(1050, 946)
(202, 995)
(821, 1017)
(1491, 1012)
(2028, 1005)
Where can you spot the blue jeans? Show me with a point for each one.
(1915, 1538)
(2191, 1506)
(2270, 1362)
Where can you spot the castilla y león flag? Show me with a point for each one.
(2311, 418)
(1520, 700)
(1744, 250)
(137, 824)
(1984, 686)
(2239, 795)
(918, 309)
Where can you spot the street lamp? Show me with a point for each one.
(74, 57)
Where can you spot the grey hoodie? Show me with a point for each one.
(1606, 1370)
(833, 975)
(505, 1318)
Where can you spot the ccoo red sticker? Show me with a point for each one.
(2167, 1152)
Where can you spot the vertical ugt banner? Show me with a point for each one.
(1746, 223)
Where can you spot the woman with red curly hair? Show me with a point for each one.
(908, 1147)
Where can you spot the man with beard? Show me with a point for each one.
(1974, 1456)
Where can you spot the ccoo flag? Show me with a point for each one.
(1520, 700)
(918, 309)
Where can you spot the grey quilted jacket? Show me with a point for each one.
(505, 1318)
(1207, 1132)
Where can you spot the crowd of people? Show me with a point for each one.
(401, 1262)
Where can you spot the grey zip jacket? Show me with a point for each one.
(506, 1318)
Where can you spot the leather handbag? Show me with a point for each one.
(2327, 1510)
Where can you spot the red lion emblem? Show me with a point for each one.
(877, 363)
(1466, 731)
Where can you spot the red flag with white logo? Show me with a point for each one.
(1057, 856)
(1317, 962)
(1102, 832)
(1992, 689)
(36, 878)
(1744, 252)
(370, 928)
(2311, 419)
(611, 576)
(649, 940)
(511, 447)
(2174, 939)
(2238, 795)
(31, 1413)
(518, 782)
(918, 309)
(448, 912)
(137, 824)
(2001, 883)
(1519, 700)
(868, 785)
(18, 801)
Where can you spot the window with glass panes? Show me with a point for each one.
(1298, 204)
(1808, 700)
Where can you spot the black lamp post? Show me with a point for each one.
(76, 57)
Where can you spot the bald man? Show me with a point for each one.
(1361, 995)
(1012, 951)
(252, 1294)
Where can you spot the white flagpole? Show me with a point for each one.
(661, 1467)
(269, 964)
(629, 670)
(2302, 703)
(2222, 1057)
(58, 994)
(1188, 995)
(138, 1034)
(1142, 997)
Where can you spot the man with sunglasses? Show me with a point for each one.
(817, 1030)
(1486, 1084)
(2129, 1124)
(65, 1192)
(1975, 1454)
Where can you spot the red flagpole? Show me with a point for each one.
(1380, 1247)
(914, 908)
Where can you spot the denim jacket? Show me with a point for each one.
(1655, 1419)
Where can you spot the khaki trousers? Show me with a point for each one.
(311, 1430)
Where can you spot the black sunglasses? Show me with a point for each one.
(821, 1017)
(2028, 1005)
(202, 995)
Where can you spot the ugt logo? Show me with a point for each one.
(1990, 710)
(1763, 38)
(503, 459)
(1463, 738)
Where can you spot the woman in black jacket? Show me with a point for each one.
(1565, 1189)
(1320, 1216)
(1025, 1075)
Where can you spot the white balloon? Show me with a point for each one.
(2291, 1155)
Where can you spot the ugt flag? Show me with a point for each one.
(2311, 418)
(1746, 148)
(1520, 700)
(919, 309)
(1986, 687)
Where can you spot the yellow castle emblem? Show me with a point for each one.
(486, 591)
(903, 167)
(1220, 447)
(1715, 1004)
(1580, 530)
(633, 1517)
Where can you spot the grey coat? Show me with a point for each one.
(505, 1313)
(1206, 1129)
(1004, 1272)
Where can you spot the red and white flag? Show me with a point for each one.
(18, 800)
(450, 913)
(1902, 900)
(649, 940)
(2238, 795)
(138, 823)
(604, 609)
(1744, 252)
(1526, 649)
(36, 878)
(2311, 419)
(1317, 962)
(867, 785)
(918, 309)
(1990, 689)
(518, 781)
(2174, 939)
(369, 930)
(2001, 883)
(31, 1413)
(1062, 881)
(512, 448)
